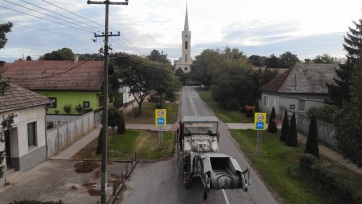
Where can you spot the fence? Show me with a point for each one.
(66, 134)
(326, 132)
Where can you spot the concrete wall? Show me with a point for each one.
(63, 136)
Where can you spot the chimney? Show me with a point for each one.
(2, 63)
(76, 56)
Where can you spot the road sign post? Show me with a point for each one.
(160, 121)
(259, 126)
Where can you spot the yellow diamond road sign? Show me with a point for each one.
(260, 121)
(160, 117)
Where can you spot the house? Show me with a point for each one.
(300, 87)
(64, 82)
(25, 143)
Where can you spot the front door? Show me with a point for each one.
(7, 148)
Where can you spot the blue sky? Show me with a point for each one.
(258, 27)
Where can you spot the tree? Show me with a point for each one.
(272, 61)
(4, 85)
(206, 66)
(121, 127)
(348, 133)
(292, 137)
(285, 127)
(28, 58)
(156, 56)
(61, 55)
(339, 91)
(143, 77)
(311, 146)
(272, 127)
(6, 125)
(287, 59)
(325, 59)
(257, 60)
(114, 118)
(4, 28)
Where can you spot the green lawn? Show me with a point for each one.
(278, 166)
(123, 147)
(148, 114)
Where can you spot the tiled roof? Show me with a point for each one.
(18, 98)
(56, 75)
(303, 78)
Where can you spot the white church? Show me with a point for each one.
(185, 61)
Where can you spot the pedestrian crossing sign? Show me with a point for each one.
(259, 121)
(160, 117)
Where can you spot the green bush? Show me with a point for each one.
(331, 180)
(292, 137)
(285, 127)
(326, 113)
(121, 127)
(79, 108)
(67, 108)
(312, 138)
(306, 161)
(272, 126)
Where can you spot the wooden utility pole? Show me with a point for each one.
(105, 97)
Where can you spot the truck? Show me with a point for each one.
(201, 157)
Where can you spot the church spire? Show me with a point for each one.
(186, 27)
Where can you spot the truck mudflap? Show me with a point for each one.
(220, 171)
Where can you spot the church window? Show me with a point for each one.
(185, 57)
(186, 45)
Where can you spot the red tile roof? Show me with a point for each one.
(275, 84)
(18, 98)
(56, 75)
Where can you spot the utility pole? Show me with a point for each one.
(105, 96)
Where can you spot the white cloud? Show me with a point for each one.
(259, 26)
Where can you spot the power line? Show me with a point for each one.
(61, 15)
(73, 13)
(43, 18)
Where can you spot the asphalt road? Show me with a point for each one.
(162, 182)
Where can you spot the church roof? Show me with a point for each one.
(186, 27)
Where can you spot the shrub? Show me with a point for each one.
(79, 108)
(87, 110)
(121, 128)
(312, 139)
(272, 127)
(249, 111)
(56, 112)
(285, 127)
(292, 137)
(67, 108)
(326, 113)
(233, 105)
(306, 161)
(50, 124)
(330, 180)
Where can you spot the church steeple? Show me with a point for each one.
(186, 27)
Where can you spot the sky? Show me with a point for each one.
(256, 27)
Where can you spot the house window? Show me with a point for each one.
(185, 57)
(264, 100)
(86, 104)
(100, 101)
(267, 102)
(186, 45)
(54, 102)
(32, 134)
(301, 105)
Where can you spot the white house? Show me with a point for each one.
(300, 87)
(25, 143)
